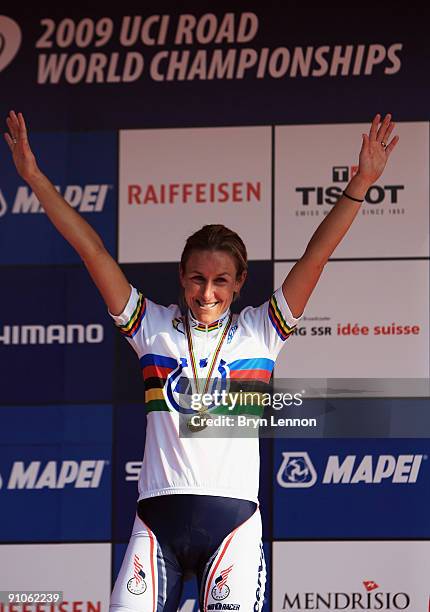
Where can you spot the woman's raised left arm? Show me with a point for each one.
(304, 275)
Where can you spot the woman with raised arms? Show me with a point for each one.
(197, 509)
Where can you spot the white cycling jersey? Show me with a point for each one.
(227, 467)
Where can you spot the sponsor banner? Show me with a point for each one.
(221, 65)
(128, 385)
(56, 338)
(348, 488)
(379, 328)
(55, 473)
(386, 576)
(80, 571)
(176, 181)
(83, 167)
(190, 596)
(129, 442)
(309, 181)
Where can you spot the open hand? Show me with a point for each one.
(376, 148)
(17, 141)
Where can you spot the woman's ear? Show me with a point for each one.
(181, 276)
(241, 280)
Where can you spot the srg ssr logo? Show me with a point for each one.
(297, 470)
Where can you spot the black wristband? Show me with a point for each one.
(351, 198)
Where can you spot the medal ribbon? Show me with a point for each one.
(215, 356)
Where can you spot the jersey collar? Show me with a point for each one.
(214, 326)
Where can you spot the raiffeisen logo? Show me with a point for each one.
(196, 193)
(85, 474)
(85, 198)
(297, 470)
(345, 600)
(10, 40)
(312, 198)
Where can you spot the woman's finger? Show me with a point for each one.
(22, 127)
(12, 127)
(9, 141)
(387, 134)
(9, 124)
(392, 144)
(380, 136)
(374, 127)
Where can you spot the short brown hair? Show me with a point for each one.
(217, 238)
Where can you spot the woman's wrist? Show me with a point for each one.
(34, 178)
(358, 187)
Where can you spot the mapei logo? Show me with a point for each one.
(10, 40)
(85, 198)
(85, 474)
(297, 470)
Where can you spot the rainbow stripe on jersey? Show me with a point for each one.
(257, 368)
(155, 370)
(277, 320)
(131, 328)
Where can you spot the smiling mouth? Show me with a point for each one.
(207, 306)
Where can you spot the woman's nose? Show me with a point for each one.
(207, 292)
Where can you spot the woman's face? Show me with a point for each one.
(210, 281)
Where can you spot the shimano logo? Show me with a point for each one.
(10, 40)
(297, 469)
(85, 474)
(73, 333)
(86, 199)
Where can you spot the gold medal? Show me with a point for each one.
(201, 424)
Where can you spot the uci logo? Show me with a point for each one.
(10, 40)
(296, 470)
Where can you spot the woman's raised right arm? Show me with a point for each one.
(103, 269)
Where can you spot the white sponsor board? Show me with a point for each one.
(313, 165)
(81, 571)
(172, 182)
(349, 575)
(365, 319)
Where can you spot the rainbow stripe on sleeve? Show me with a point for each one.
(131, 328)
(277, 320)
(155, 370)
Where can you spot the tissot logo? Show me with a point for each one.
(318, 195)
(10, 40)
(297, 470)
